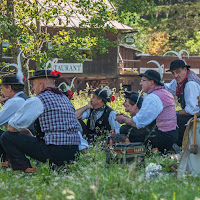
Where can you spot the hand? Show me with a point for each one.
(3, 99)
(89, 105)
(12, 129)
(112, 132)
(120, 118)
(26, 132)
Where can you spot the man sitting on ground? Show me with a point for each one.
(186, 86)
(157, 105)
(133, 103)
(101, 118)
(57, 127)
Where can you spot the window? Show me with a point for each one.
(6, 50)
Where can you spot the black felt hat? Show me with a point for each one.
(102, 94)
(133, 96)
(153, 75)
(177, 64)
(11, 80)
(45, 73)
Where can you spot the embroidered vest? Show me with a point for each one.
(166, 120)
(191, 77)
(58, 121)
(102, 124)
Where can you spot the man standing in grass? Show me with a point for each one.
(57, 127)
(101, 118)
(186, 86)
(157, 105)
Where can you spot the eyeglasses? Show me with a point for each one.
(143, 80)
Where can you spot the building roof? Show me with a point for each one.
(73, 19)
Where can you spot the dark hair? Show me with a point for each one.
(16, 88)
(131, 102)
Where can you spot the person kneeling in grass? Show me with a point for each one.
(56, 125)
(158, 106)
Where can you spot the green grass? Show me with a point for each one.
(89, 178)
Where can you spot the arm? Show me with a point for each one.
(10, 107)
(121, 118)
(25, 116)
(115, 125)
(80, 111)
(152, 106)
(191, 92)
(171, 87)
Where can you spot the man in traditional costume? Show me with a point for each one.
(56, 125)
(158, 106)
(186, 86)
(101, 118)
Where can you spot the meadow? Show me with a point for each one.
(90, 178)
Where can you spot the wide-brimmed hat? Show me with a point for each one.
(11, 80)
(153, 75)
(102, 94)
(133, 96)
(177, 64)
(46, 74)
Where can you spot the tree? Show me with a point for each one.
(27, 27)
(178, 18)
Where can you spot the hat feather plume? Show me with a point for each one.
(66, 87)
(52, 63)
(19, 74)
(160, 67)
(108, 90)
(179, 54)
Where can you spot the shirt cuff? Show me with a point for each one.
(13, 125)
(136, 121)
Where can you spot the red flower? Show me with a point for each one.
(24, 79)
(112, 98)
(55, 73)
(70, 94)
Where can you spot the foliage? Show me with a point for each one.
(158, 43)
(194, 44)
(177, 18)
(29, 23)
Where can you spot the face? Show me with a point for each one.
(146, 84)
(179, 74)
(6, 92)
(36, 86)
(132, 109)
(96, 101)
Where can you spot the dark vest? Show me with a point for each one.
(23, 96)
(191, 77)
(102, 124)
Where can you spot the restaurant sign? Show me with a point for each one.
(68, 67)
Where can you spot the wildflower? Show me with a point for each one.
(112, 98)
(70, 197)
(64, 191)
(183, 175)
(93, 187)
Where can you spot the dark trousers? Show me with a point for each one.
(182, 121)
(151, 136)
(17, 145)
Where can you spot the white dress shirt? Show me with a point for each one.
(152, 106)
(31, 110)
(111, 119)
(26, 115)
(10, 107)
(191, 92)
